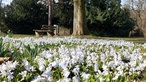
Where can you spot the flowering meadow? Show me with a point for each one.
(71, 59)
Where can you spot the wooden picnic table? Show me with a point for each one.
(45, 29)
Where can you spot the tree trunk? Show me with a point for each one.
(79, 22)
(49, 12)
(0, 3)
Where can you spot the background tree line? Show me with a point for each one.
(137, 9)
(103, 17)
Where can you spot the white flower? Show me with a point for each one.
(85, 76)
(23, 74)
(47, 72)
(76, 70)
(7, 68)
(64, 80)
(40, 60)
(101, 79)
(115, 78)
(42, 68)
(60, 80)
(76, 79)
(32, 68)
(111, 64)
(86, 51)
(105, 72)
(120, 73)
(96, 67)
(63, 64)
(144, 45)
(102, 57)
(132, 63)
(104, 67)
(144, 54)
(39, 79)
(10, 76)
(27, 66)
(54, 64)
(66, 73)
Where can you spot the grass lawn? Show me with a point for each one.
(22, 35)
(2, 34)
(136, 40)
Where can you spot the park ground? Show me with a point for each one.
(134, 39)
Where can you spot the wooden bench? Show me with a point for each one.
(45, 29)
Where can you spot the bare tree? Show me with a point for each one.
(138, 13)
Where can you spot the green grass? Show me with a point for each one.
(22, 35)
(136, 40)
(2, 34)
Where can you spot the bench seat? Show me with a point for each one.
(45, 29)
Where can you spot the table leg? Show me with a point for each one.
(50, 34)
(37, 34)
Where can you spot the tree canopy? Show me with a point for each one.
(108, 18)
(103, 17)
(25, 15)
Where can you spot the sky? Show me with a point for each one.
(123, 2)
(6, 1)
(9, 1)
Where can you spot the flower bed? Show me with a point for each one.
(71, 59)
